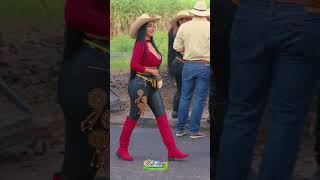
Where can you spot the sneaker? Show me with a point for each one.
(181, 133)
(197, 135)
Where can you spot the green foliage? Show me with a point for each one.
(32, 11)
(124, 12)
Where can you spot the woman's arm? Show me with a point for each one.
(136, 60)
(79, 14)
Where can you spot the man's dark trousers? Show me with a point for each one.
(221, 27)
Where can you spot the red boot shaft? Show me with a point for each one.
(173, 152)
(124, 139)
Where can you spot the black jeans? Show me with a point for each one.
(177, 67)
(218, 95)
(83, 92)
(142, 94)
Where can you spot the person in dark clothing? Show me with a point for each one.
(175, 59)
(144, 89)
(220, 69)
(316, 175)
(274, 54)
(83, 90)
(218, 95)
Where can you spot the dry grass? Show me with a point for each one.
(124, 12)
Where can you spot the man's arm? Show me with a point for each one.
(178, 43)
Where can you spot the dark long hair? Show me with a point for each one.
(141, 37)
(171, 52)
(174, 28)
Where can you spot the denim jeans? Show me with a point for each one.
(274, 53)
(195, 80)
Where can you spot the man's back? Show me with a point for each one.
(193, 38)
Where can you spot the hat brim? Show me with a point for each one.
(174, 20)
(200, 13)
(135, 26)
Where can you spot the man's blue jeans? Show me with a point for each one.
(274, 54)
(195, 80)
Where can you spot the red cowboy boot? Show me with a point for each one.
(173, 152)
(57, 176)
(124, 140)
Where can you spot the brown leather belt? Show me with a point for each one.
(203, 61)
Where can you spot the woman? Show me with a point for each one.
(83, 89)
(145, 62)
(175, 62)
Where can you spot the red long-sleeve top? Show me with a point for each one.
(90, 16)
(144, 55)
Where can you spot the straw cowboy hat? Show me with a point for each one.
(200, 9)
(180, 15)
(144, 18)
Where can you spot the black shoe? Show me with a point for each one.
(315, 176)
(174, 114)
